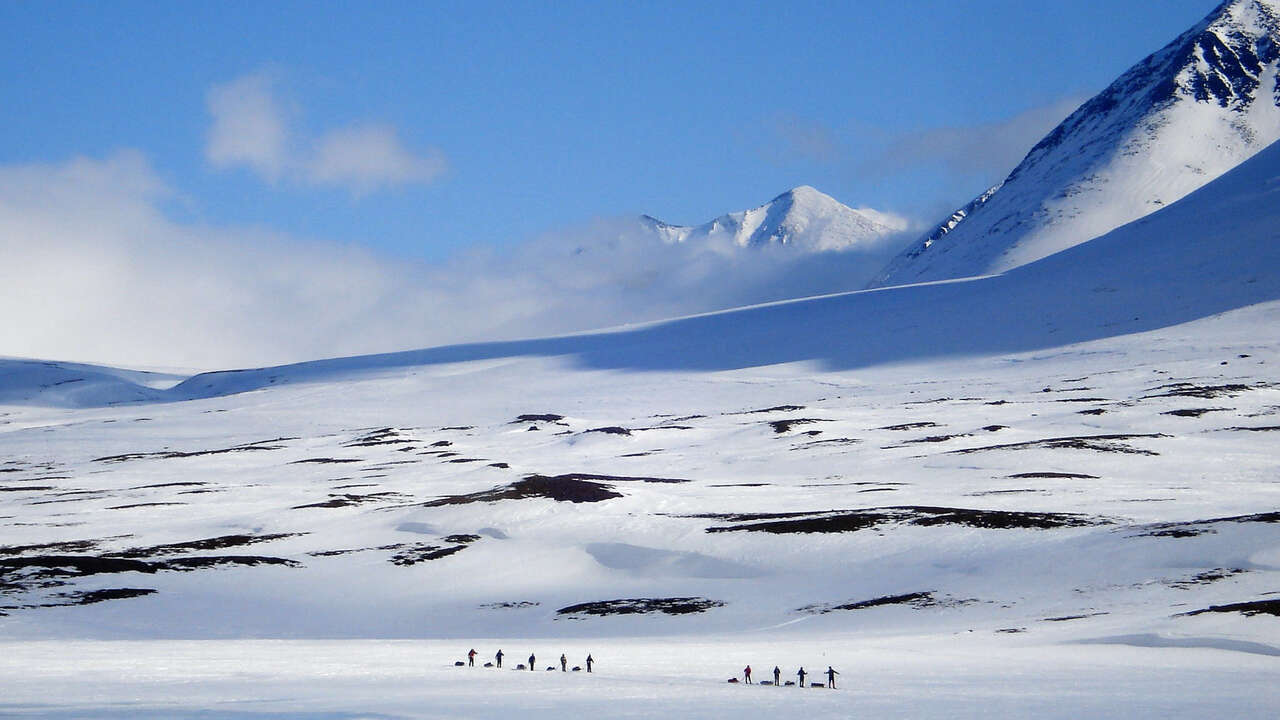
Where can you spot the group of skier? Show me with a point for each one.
(497, 661)
(777, 676)
(831, 673)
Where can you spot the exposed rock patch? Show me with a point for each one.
(168, 454)
(639, 606)
(782, 426)
(1248, 609)
(561, 488)
(853, 520)
(1205, 392)
(918, 600)
(423, 553)
(1101, 443)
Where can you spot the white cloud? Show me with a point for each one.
(252, 129)
(893, 221)
(94, 270)
(990, 150)
(370, 157)
(249, 127)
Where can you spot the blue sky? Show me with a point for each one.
(547, 115)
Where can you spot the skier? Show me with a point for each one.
(498, 657)
(777, 676)
(471, 658)
(746, 674)
(589, 661)
(831, 677)
(564, 663)
(531, 659)
(802, 673)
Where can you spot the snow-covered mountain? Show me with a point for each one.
(802, 217)
(1173, 122)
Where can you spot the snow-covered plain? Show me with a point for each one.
(910, 677)
(354, 635)
(1001, 496)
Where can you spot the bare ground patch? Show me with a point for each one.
(640, 606)
(836, 521)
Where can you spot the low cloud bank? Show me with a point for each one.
(96, 271)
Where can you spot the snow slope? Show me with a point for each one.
(1170, 124)
(802, 217)
(64, 384)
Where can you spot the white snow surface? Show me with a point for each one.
(1172, 123)
(994, 497)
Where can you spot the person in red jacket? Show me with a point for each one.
(746, 674)
(471, 658)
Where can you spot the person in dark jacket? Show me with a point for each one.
(831, 677)
(802, 673)
(564, 663)
(471, 658)
(589, 661)
(498, 657)
(531, 660)
(746, 674)
(777, 675)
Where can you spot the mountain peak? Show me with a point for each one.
(802, 216)
(1181, 117)
(805, 192)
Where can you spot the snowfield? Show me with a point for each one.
(909, 677)
(1057, 621)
